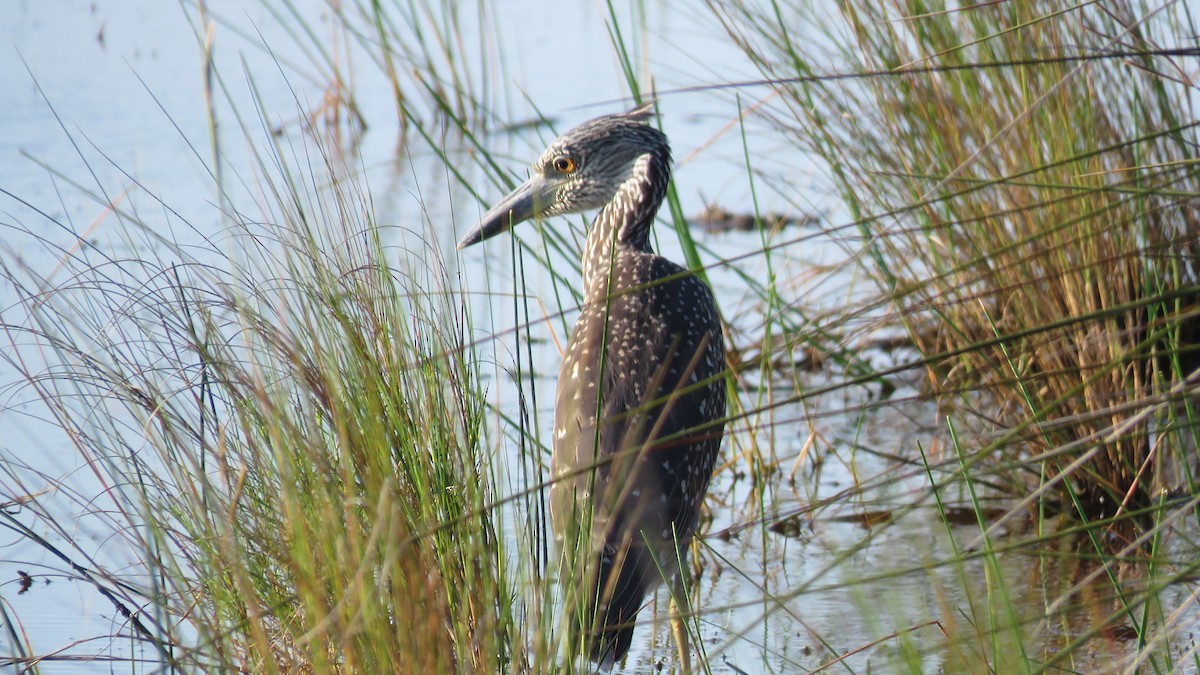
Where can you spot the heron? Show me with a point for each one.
(640, 404)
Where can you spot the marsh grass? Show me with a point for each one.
(287, 434)
(286, 420)
(1035, 236)
(284, 434)
(291, 432)
(1029, 221)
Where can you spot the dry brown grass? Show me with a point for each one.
(1032, 223)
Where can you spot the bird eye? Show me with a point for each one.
(564, 165)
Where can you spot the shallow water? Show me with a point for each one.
(108, 93)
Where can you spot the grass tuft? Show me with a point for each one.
(1029, 219)
(287, 433)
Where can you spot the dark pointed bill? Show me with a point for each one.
(521, 205)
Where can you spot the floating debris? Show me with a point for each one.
(864, 519)
(1120, 633)
(962, 515)
(796, 527)
(716, 219)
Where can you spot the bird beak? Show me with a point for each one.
(527, 201)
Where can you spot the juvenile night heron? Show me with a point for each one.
(639, 414)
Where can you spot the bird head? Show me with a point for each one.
(581, 170)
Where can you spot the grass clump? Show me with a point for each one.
(1024, 203)
(286, 434)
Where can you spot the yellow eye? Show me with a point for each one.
(564, 165)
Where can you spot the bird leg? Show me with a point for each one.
(679, 596)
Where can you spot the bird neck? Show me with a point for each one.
(623, 225)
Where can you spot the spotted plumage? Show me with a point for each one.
(638, 418)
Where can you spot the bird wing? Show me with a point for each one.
(621, 452)
(628, 477)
